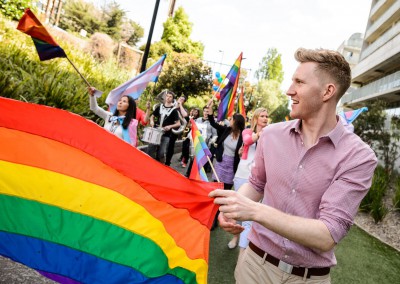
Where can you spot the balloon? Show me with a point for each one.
(215, 81)
(217, 74)
(215, 88)
(218, 96)
(220, 79)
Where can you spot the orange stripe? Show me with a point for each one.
(36, 151)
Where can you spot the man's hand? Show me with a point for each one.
(91, 91)
(235, 205)
(229, 225)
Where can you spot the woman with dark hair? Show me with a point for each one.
(228, 143)
(122, 122)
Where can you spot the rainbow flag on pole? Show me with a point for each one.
(228, 92)
(80, 205)
(137, 85)
(201, 152)
(241, 107)
(46, 46)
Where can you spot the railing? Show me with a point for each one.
(379, 86)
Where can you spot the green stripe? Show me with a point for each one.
(87, 234)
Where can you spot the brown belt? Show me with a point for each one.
(299, 271)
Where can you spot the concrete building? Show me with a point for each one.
(377, 74)
(351, 49)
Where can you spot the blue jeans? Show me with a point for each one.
(158, 151)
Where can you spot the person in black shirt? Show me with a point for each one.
(165, 117)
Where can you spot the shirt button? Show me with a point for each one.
(285, 256)
(301, 166)
(293, 190)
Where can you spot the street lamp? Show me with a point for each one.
(147, 49)
(222, 58)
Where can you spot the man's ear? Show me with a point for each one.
(330, 92)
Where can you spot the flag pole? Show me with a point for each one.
(212, 167)
(84, 79)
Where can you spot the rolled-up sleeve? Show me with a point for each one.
(340, 203)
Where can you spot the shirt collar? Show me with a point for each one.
(334, 135)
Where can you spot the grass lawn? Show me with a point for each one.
(361, 259)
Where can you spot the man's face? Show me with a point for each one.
(205, 113)
(182, 100)
(306, 91)
(169, 98)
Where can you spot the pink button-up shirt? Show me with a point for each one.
(325, 182)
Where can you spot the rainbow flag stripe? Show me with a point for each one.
(81, 205)
(46, 46)
(241, 107)
(228, 92)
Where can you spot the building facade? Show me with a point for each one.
(377, 74)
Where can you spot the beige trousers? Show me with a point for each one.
(251, 268)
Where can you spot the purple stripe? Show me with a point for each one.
(58, 278)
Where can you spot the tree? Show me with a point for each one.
(270, 67)
(79, 14)
(185, 74)
(131, 32)
(371, 128)
(114, 16)
(177, 30)
(268, 94)
(111, 20)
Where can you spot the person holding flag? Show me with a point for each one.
(122, 122)
(228, 143)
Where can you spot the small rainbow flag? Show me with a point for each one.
(80, 205)
(351, 115)
(242, 109)
(228, 92)
(201, 152)
(46, 46)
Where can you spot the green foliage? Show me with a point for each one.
(280, 113)
(270, 67)
(373, 201)
(370, 126)
(177, 30)
(111, 20)
(396, 197)
(185, 74)
(54, 83)
(79, 14)
(268, 94)
(14, 9)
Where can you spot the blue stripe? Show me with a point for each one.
(47, 51)
(70, 263)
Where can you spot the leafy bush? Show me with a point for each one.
(373, 201)
(13, 9)
(54, 82)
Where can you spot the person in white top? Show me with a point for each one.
(250, 138)
(122, 123)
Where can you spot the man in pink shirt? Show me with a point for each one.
(311, 175)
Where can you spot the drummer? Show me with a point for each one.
(166, 117)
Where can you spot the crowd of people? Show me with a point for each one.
(297, 184)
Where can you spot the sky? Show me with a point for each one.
(228, 27)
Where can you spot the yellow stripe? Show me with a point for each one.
(95, 201)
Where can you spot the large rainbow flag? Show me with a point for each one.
(46, 46)
(78, 204)
(228, 92)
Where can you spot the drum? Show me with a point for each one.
(152, 135)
